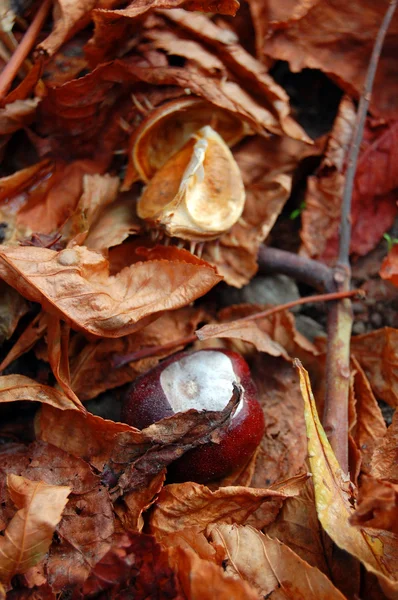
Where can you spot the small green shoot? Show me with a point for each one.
(391, 241)
(297, 211)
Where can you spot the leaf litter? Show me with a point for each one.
(94, 133)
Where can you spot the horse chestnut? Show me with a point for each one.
(203, 380)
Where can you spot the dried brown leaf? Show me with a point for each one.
(91, 367)
(29, 534)
(269, 565)
(98, 192)
(373, 202)
(370, 426)
(18, 388)
(12, 307)
(138, 564)
(377, 505)
(333, 499)
(193, 505)
(75, 284)
(17, 115)
(307, 35)
(203, 580)
(384, 464)
(377, 354)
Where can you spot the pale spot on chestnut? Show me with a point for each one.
(202, 380)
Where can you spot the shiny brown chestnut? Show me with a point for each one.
(203, 380)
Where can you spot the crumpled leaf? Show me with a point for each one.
(269, 565)
(306, 34)
(18, 388)
(91, 367)
(377, 354)
(29, 534)
(67, 16)
(389, 268)
(193, 505)
(224, 43)
(332, 497)
(98, 192)
(87, 526)
(203, 580)
(370, 427)
(58, 345)
(74, 284)
(377, 505)
(130, 458)
(384, 464)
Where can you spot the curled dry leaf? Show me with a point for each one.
(130, 458)
(98, 192)
(269, 565)
(389, 268)
(370, 427)
(203, 580)
(384, 464)
(75, 285)
(58, 346)
(333, 498)
(193, 505)
(18, 388)
(377, 353)
(308, 33)
(29, 534)
(377, 505)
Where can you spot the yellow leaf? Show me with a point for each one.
(333, 498)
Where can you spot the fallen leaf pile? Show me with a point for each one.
(148, 150)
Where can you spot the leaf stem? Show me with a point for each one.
(26, 45)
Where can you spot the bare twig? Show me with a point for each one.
(340, 318)
(26, 45)
(306, 270)
(120, 361)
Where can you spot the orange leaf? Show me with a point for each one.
(75, 285)
(18, 388)
(194, 505)
(29, 534)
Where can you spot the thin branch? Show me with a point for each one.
(120, 361)
(335, 419)
(306, 270)
(345, 227)
(26, 45)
